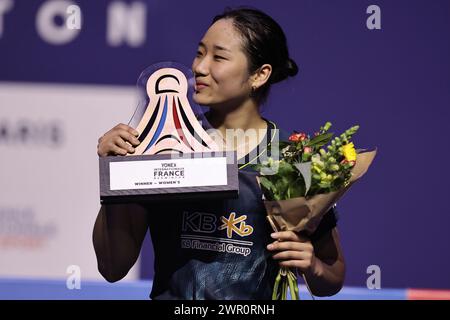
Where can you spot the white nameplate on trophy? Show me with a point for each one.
(171, 173)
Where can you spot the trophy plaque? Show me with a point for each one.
(176, 157)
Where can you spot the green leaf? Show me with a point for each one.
(269, 186)
(320, 140)
(285, 168)
(281, 186)
(296, 189)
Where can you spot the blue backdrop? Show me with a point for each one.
(393, 82)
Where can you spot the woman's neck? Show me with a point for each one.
(231, 123)
(244, 117)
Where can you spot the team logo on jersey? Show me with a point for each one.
(204, 225)
(199, 222)
(230, 224)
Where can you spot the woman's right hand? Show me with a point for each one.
(120, 140)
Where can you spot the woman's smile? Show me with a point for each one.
(200, 85)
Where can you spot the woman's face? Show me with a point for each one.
(221, 67)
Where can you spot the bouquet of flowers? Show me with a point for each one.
(309, 177)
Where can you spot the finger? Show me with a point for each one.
(292, 255)
(127, 128)
(104, 148)
(290, 245)
(118, 151)
(123, 145)
(133, 131)
(101, 152)
(127, 136)
(285, 236)
(121, 126)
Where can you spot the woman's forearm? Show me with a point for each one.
(117, 237)
(326, 279)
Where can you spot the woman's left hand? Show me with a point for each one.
(293, 251)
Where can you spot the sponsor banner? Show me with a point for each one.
(49, 178)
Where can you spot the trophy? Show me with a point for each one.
(177, 158)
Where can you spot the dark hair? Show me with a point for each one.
(263, 42)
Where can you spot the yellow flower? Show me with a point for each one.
(349, 152)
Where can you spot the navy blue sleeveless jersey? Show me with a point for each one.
(216, 249)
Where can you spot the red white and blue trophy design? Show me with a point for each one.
(177, 158)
